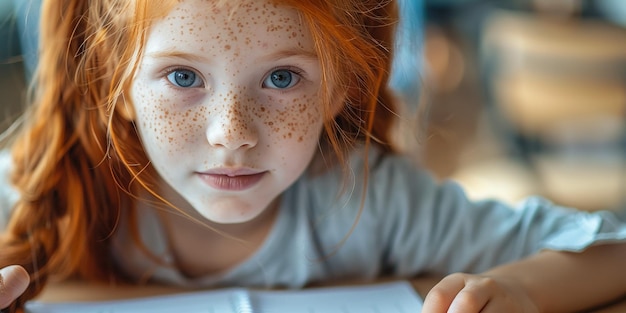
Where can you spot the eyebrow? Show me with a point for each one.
(281, 54)
(178, 55)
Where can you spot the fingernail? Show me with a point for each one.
(8, 275)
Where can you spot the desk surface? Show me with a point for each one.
(83, 291)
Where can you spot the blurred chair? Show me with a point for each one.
(9, 44)
(27, 14)
(407, 66)
(557, 92)
(614, 10)
(12, 81)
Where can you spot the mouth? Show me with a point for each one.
(229, 180)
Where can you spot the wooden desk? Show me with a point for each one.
(82, 291)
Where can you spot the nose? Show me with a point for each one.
(231, 127)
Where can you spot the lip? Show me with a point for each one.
(231, 179)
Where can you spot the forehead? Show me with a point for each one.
(261, 22)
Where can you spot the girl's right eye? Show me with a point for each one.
(184, 78)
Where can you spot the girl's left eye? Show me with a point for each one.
(184, 78)
(281, 79)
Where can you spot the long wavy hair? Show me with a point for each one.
(78, 161)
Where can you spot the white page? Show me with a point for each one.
(214, 301)
(395, 297)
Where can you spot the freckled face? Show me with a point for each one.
(227, 106)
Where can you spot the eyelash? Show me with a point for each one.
(294, 70)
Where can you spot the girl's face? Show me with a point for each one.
(226, 104)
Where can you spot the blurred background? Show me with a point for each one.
(520, 97)
(508, 97)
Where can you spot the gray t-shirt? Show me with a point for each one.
(410, 224)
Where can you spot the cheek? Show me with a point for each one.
(165, 125)
(298, 120)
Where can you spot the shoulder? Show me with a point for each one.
(391, 175)
(386, 182)
(366, 210)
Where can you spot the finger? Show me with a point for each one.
(496, 307)
(441, 295)
(486, 295)
(473, 298)
(13, 282)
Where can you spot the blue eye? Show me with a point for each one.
(184, 78)
(281, 79)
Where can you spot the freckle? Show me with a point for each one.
(227, 47)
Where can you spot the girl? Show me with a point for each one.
(210, 143)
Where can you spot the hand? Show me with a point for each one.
(465, 293)
(13, 282)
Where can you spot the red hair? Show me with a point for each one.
(78, 161)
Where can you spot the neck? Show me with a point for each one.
(202, 247)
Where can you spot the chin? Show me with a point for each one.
(230, 219)
(232, 214)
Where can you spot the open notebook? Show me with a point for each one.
(394, 297)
